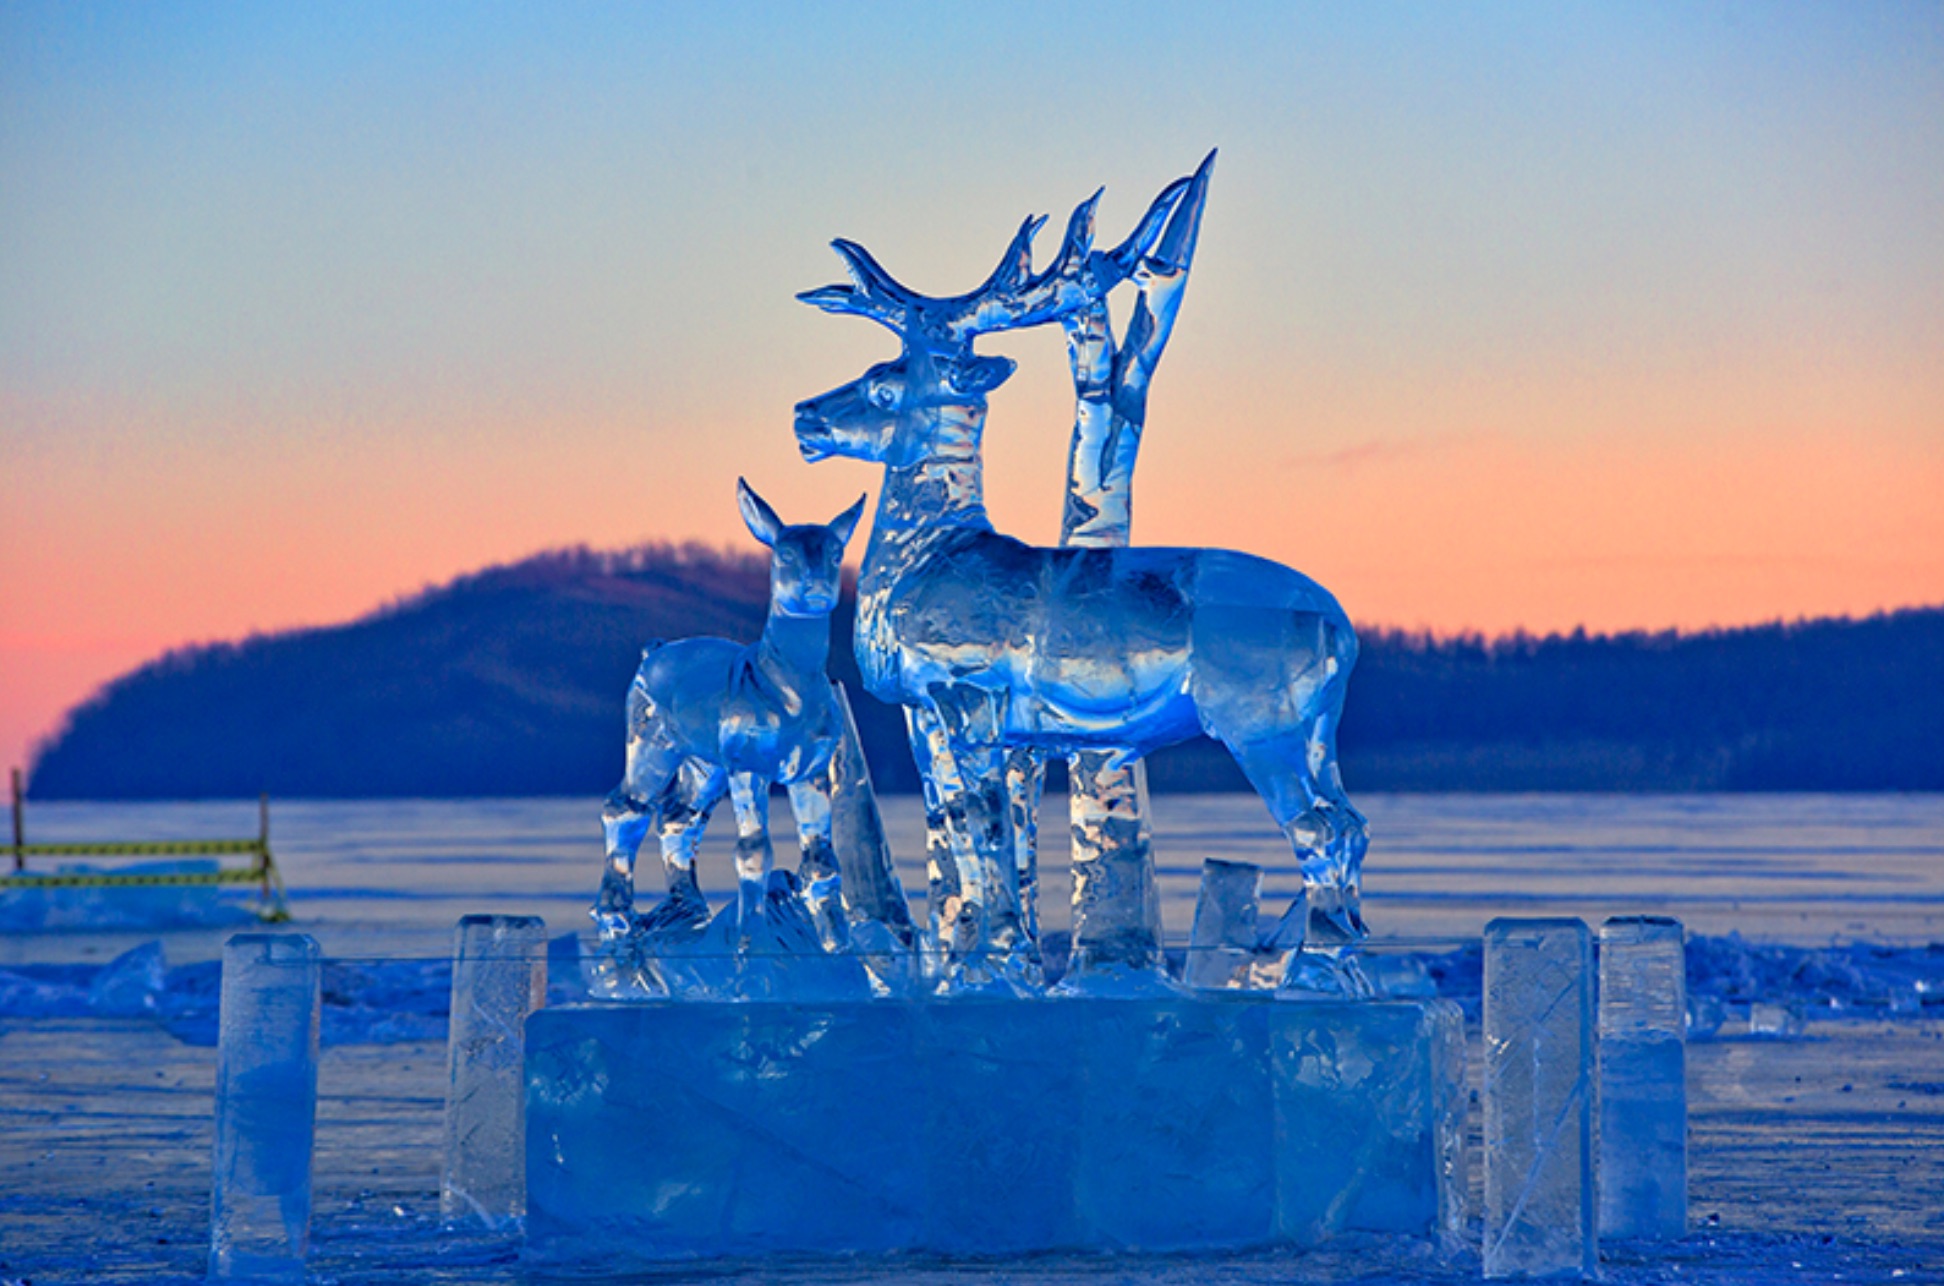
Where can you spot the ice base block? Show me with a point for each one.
(968, 1127)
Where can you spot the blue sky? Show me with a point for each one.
(1504, 315)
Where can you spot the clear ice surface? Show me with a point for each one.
(499, 976)
(995, 647)
(987, 1127)
(266, 1108)
(1643, 1078)
(1538, 1099)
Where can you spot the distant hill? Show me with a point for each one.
(510, 682)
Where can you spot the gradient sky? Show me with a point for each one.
(1536, 316)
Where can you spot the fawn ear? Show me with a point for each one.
(762, 520)
(846, 522)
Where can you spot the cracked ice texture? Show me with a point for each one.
(266, 1108)
(1643, 1078)
(1538, 1099)
(499, 976)
(983, 1126)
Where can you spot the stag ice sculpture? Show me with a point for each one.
(993, 646)
(709, 717)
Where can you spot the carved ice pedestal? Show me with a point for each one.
(675, 1130)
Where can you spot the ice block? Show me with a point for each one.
(499, 976)
(982, 1126)
(1538, 1099)
(266, 1108)
(1223, 943)
(1643, 1078)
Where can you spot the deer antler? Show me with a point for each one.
(1012, 298)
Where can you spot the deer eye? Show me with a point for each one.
(883, 396)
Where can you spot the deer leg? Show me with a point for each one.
(955, 892)
(971, 720)
(1324, 925)
(754, 857)
(686, 803)
(818, 872)
(1025, 784)
(630, 809)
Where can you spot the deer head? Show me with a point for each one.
(806, 560)
(937, 370)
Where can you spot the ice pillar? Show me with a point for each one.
(499, 976)
(1643, 1078)
(1116, 905)
(1538, 1099)
(1222, 944)
(266, 1108)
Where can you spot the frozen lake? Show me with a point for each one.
(389, 878)
(1817, 1155)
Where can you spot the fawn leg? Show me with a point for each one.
(630, 808)
(754, 857)
(818, 872)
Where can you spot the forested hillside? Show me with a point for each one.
(511, 681)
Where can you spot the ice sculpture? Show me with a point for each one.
(709, 717)
(995, 647)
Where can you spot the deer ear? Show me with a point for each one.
(762, 520)
(975, 376)
(846, 522)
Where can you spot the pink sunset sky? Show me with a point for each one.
(1619, 316)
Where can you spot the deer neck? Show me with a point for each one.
(792, 649)
(943, 491)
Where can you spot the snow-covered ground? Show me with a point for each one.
(1816, 1076)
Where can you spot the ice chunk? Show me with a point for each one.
(981, 1126)
(1222, 944)
(1538, 1099)
(266, 1106)
(1643, 1078)
(499, 976)
(1766, 1018)
(131, 983)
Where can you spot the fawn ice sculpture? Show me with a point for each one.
(992, 645)
(709, 717)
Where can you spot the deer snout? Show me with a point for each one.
(813, 435)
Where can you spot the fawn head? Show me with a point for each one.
(806, 560)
